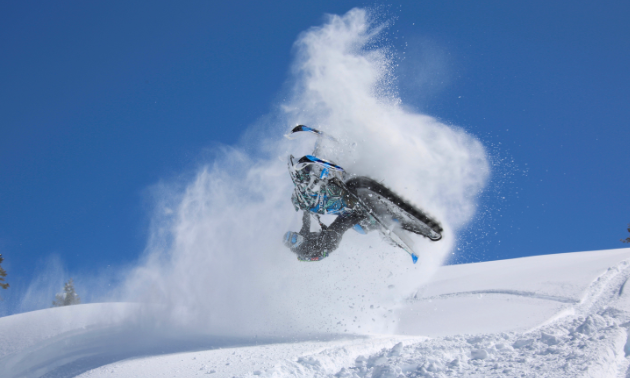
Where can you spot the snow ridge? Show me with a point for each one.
(529, 294)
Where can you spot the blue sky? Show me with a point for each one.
(101, 100)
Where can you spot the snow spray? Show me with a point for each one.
(215, 259)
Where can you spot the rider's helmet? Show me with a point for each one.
(316, 185)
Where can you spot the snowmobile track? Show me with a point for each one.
(363, 182)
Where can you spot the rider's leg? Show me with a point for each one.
(317, 245)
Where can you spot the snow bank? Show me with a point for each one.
(21, 331)
(586, 336)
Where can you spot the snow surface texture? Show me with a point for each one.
(215, 259)
(546, 316)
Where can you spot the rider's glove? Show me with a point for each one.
(293, 239)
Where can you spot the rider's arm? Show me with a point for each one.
(306, 223)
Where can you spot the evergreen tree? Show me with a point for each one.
(3, 274)
(68, 297)
(623, 241)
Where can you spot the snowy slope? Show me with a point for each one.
(559, 316)
(532, 290)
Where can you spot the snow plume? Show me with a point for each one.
(49, 279)
(215, 259)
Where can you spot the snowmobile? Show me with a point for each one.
(323, 187)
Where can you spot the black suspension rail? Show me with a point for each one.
(361, 182)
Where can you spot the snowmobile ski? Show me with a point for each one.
(320, 135)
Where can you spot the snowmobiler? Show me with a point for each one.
(322, 187)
